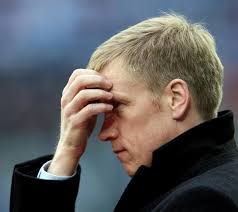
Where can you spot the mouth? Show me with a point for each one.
(120, 154)
(118, 151)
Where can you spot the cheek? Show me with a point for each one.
(144, 135)
(155, 136)
(143, 128)
(138, 150)
(133, 132)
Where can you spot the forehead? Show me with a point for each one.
(122, 80)
(126, 87)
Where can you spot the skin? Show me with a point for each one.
(133, 124)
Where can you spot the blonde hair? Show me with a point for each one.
(164, 48)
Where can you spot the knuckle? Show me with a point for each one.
(77, 71)
(82, 95)
(91, 108)
(67, 112)
(74, 73)
(63, 91)
(80, 80)
(63, 101)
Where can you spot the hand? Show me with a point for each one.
(83, 98)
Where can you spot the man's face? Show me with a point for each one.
(135, 127)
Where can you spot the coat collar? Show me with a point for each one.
(188, 148)
(178, 160)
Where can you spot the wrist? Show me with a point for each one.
(64, 162)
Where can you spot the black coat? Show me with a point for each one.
(195, 172)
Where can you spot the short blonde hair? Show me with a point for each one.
(164, 48)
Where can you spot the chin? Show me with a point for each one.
(130, 174)
(129, 170)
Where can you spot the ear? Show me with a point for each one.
(178, 98)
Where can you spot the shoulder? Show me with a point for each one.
(214, 190)
(197, 199)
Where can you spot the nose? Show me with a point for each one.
(109, 130)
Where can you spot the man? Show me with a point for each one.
(159, 84)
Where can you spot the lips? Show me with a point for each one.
(118, 151)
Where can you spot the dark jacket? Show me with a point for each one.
(195, 172)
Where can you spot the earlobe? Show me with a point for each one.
(179, 98)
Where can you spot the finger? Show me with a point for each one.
(82, 82)
(79, 72)
(86, 96)
(89, 111)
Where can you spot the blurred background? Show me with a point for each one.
(43, 41)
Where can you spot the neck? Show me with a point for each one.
(191, 120)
